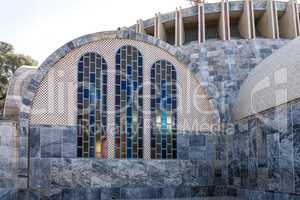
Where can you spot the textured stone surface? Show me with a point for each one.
(8, 155)
(272, 164)
(224, 65)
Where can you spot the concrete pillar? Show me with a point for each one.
(201, 23)
(161, 32)
(156, 26)
(288, 22)
(224, 21)
(247, 23)
(268, 24)
(140, 28)
(179, 28)
(297, 18)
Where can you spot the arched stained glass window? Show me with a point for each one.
(129, 103)
(92, 106)
(163, 111)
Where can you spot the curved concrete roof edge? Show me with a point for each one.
(262, 88)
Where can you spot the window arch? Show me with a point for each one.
(92, 106)
(163, 111)
(129, 103)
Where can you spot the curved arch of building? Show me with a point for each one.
(61, 53)
(273, 82)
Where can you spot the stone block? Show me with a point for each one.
(40, 172)
(81, 172)
(61, 173)
(51, 142)
(183, 153)
(101, 175)
(198, 140)
(128, 172)
(163, 173)
(197, 153)
(199, 191)
(110, 193)
(166, 192)
(139, 193)
(183, 140)
(35, 146)
(183, 192)
(297, 181)
(287, 180)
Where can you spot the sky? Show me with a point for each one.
(39, 27)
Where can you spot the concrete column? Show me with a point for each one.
(268, 24)
(140, 28)
(288, 22)
(161, 31)
(252, 19)
(201, 23)
(156, 26)
(246, 23)
(179, 28)
(224, 21)
(297, 18)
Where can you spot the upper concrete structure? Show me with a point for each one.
(225, 20)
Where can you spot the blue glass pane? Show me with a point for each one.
(92, 78)
(104, 66)
(118, 89)
(80, 97)
(117, 79)
(123, 85)
(104, 78)
(140, 71)
(128, 69)
(80, 67)
(118, 59)
(86, 93)
(140, 63)
(98, 94)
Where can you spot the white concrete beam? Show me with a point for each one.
(288, 22)
(201, 23)
(179, 28)
(140, 28)
(297, 18)
(224, 21)
(156, 26)
(267, 24)
(246, 23)
(161, 30)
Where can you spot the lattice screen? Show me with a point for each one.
(55, 102)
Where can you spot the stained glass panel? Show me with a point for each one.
(129, 103)
(163, 108)
(92, 110)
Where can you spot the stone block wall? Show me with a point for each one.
(264, 160)
(224, 65)
(8, 158)
(200, 170)
(8, 154)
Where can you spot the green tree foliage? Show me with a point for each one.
(9, 63)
